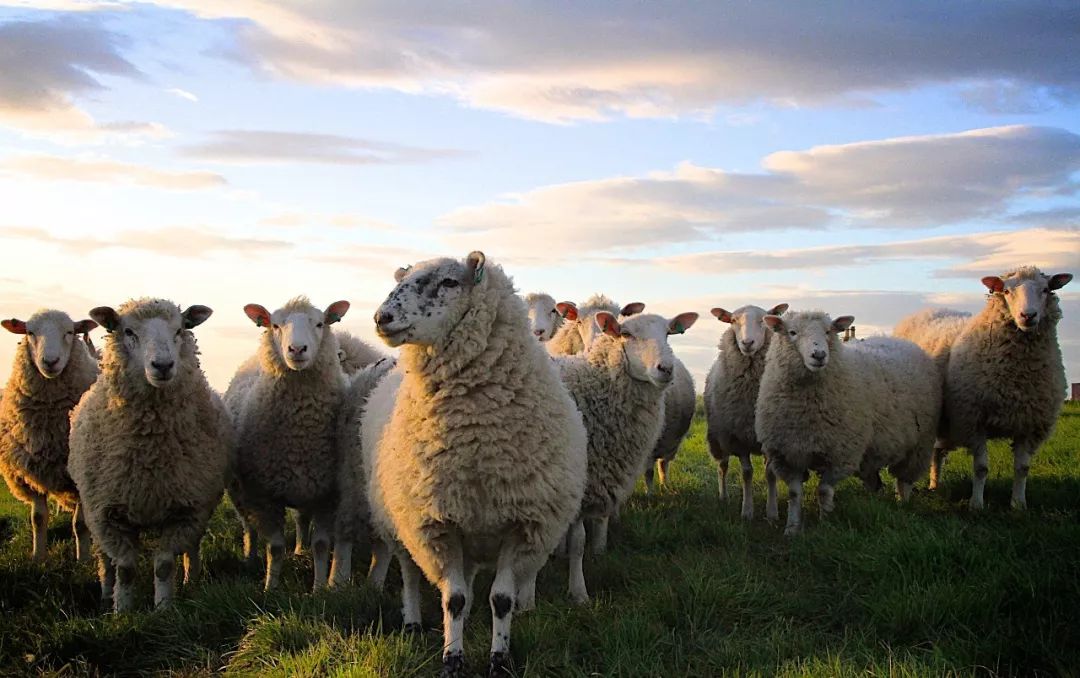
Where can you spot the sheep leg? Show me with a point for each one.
(980, 469)
(341, 563)
(794, 507)
(124, 590)
(272, 524)
(320, 548)
(661, 470)
(721, 476)
(525, 598)
(827, 490)
(576, 554)
(650, 474)
(192, 566)
(599, 535)
(302, 520)
(937, 461)
(562, 549)
(410, 594)
(454, 595)
(747, 487)
(380, 563)
(106, 576)
(164, 575)
(39, 525)
(501, 599)
(1022, 450)
(772, 508)
(83, 540)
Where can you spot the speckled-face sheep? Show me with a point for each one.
(546, 317)
(51, 370)
(151, 444)
(731, 390)
(1006, 378)
(477, 451)
(579, 330)
(286, 418)
(840, 409)
(619, 386)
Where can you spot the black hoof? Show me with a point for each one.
(453, 666)
(499, 667)
(414, 629)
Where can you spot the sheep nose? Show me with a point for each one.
(1028, 317)
(162, 366)
(298, 350)
(748, 343)
(538, 333)
(818, 355)
(50, 363)
(665, 369)
(383, 318)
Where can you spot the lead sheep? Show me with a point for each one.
(731, 392)
(49, 374)
(840, 409)
(151, 444)
(476, 451)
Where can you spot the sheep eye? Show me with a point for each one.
(1046, 290)
(319, 325)
(626, 334)
(1005, 292)
(178, 332)
(129, 332)
(449, 282)
(275, 327)
(29, 333)
(792, 333)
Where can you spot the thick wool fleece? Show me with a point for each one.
(358, 354)
(731, 392)
(623, 417)
(568, 340)
(146, 458)
(934, 330)
(476, 436)
(34, 425)
(286, 428)
(1002, 382)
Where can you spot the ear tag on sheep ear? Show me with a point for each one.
(679, 329)
(333, 318)
(259, 322)
(478, 276)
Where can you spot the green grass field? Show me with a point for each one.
(687, 589)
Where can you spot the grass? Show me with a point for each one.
(687, 589)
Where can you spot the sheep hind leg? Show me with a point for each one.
(380, 563)
(937, 461)
(39, 525)
(772, 508)
(271, 524)
(304, 538)
(576, 556)
(980, 466)
(501, 599)
(454, 596)
(1021, 465)
(83, 540)
(721, 476)
(747, 487)
(410, 594)
(650, 477)
(662, 470)
(341, 563)
(164, 577)
(106, 577)
(794, 507)
(599, 535)
(192, 566)
(320, 549)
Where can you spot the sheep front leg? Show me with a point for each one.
(980, 466)
(721, 476)
(272, 524)
(410, 593)
(576, 554)
(341, 563)
(747, 487)
(599, 535)
(794, 507)
(302, 521)
(662, 470)
(106, 577)
(772, 508)
(937, 462)
(454, 596)
(82, 534)
(164, 575)
(501, 599)
(320, 548)
(124, 591)
(1022, 451)
(39, 525)
(380, 562)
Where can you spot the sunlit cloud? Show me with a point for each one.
(57, 168)
(272, 147)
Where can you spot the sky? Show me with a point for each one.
(867, 159)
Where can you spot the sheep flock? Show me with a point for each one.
(505, 434)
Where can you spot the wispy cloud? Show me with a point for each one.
(183, 94)
(277, 147)
(58, 168)
(176, 241)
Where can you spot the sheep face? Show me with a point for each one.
(429, 300)
(49, 338)
(748, 325)
(545, 316)
(811, 334)
(150, 337)
(1026, 292)
(644, 340)
(297, 329)
(590, 330)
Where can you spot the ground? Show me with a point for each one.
(687, 590)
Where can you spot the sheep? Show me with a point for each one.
(475, 449)
(50, 372)
(579, 329)
(354, 353)
(1005, 376)
(151, 445)
(935, 330)
(547, 317)
(680, 401)
(619, 386)
(842, 409)
(731, 390)
(285, 418)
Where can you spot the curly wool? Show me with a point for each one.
(34, 424)
(731, 393)
(356, 353)
(1004, 383)
(475, 436)
(145, 457)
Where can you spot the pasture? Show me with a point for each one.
(686, 589)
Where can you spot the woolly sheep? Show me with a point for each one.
(285, 418)
(680, 401)
(476, 451)
(619, 386)
(151, 444)
(546, 317)
(1005, 376)
(579, 330)
(731, 390)
(50, 372)
(840, 409)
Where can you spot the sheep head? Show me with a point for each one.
(812, 334)
(644, 341)
(1026, 292)
(749, 326)
(297, 329)
(49, 338)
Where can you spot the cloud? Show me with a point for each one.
(176, 241)
(589, 61)
(57, 168)
(264, 146)
(182, 93)
(907, 182)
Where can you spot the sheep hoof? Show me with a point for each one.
(1019, 504)
(748, 514)
(453, 666)
(579, 598)
(791, 531)
(413, 629)
(976, 504)
(499, 665)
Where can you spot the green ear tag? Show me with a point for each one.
(478, 276)
(259, 322)
(333, 318)
(679, 329)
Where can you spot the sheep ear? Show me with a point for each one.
(774, 323)
(842, 323)
(632, 309)
(722, 315)
(195, 315)
(400, 274)
(778, 309)
(1059, 280)
(608, 324)
(475, 264)
(336, 311)
(258, 314)
(106, 316)
(993, 283)
(14, 325)
(567, 309)
(84, 326)
(681, 323)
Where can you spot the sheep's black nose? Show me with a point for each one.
(162, 366)
(298, 350)
(383, 318)
(665, 369)
(818, 355)
(1029, 316)
(748, 343)
(51, 363)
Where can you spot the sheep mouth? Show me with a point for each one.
(1027, 326)
(392, 336)
(297, 365)
(159, 381)
(816, 365)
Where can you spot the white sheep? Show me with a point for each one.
(840, 409)
(477, 453)
(579, 330)
(151, 444)
(286, 417)
(731, 391)
(546, 317)
(49, 374)
(680, 401)
(1005, 376)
